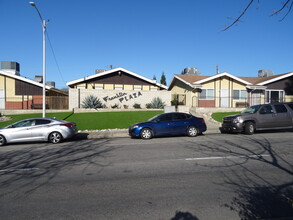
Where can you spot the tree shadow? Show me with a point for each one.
(30, 168)
(263, 203)
(68, 116)
(79, 136)
(256, 195)
(184, 216)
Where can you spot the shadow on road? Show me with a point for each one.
(184, 216)
(32, 167)
(256, 196)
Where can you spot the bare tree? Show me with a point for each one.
(286, 6)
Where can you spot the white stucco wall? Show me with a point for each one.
(120, 97)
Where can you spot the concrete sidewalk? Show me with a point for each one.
(212, 128)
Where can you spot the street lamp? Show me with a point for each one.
(44, 23)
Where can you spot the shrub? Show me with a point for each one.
(176, 102)
(115, 106)
(125, 106)
(157, 103)
(136, 105)
(92, 101)
(148, 105)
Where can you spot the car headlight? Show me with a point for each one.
(135, 126)
(237, 120)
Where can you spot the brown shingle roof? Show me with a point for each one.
(256, 80)
(253, 80)
(192, 78)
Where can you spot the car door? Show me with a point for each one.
(282, 115)
(266, 117)
(40, 129)
(20, 131)
(162, 126)
(179, 123)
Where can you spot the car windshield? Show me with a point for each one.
(154, 118)
(251, 109)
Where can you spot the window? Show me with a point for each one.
(42, 122)
(291, 106)
(280, 108)
(137, 88)
(118, 87)
(207, 94)
(252, 109)
(179, 116)
(23, 124)
(99, 86)
(240, 94)
(166, 117)
(267, 109)
(274, 96)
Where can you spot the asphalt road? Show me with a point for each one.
(213, 176)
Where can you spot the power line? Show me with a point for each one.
(55, 59)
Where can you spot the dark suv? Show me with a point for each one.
(260, 117)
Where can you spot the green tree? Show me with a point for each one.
(154, 77)
(163, 79)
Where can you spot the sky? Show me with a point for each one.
(147, 37)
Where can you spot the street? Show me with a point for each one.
(212, 176)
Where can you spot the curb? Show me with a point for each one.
(120, 133)
(212, 128)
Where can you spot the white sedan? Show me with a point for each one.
(37, 129)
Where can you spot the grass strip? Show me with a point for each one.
(93, 120)
(218, 116)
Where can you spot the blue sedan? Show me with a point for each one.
(169, 124)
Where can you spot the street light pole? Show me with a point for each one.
(44, 23)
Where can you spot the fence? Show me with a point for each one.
(34, 102)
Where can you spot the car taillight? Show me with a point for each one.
(67, 125)
(202, 121)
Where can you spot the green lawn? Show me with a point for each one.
(218, 116)
(94, 120)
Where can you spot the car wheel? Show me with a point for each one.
(55, 137)
(146, 133)
(2, 140)
(192, 131)
(223, 131)
(249, 128)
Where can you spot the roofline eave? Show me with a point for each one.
(187, 83)
(114, 70)
(220, 75)
(254, 87)
(275, 79)
(25, 80)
